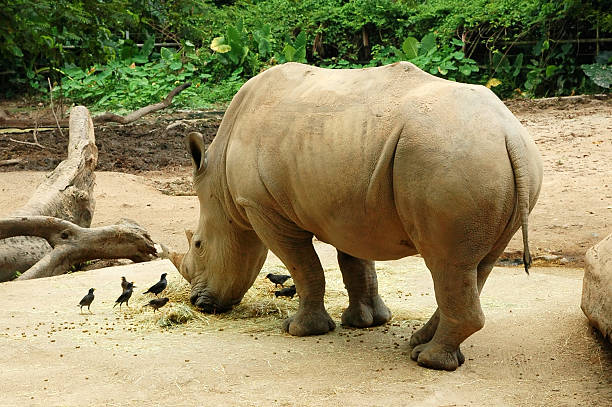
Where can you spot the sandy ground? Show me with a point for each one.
(536, 347)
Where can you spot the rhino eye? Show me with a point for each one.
(197, 244)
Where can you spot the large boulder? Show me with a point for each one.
(597, 287)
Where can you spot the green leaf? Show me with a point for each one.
(300, 54)
(428, 42)
(518, 64)
(16, 51)
(600, 74)
(465, 70)
(550, 70)
(167, 54)
(245, 52)
(289, 53)
(410, 48)
(147, 47)
(233, 36)
(493, 82)
(264, 47)
(176, 65)
(218, 45)
(104, 99)
(300, 40)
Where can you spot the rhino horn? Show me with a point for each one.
(189, 234)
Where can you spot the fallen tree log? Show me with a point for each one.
(8, 122)
(66, 193)
(73, 244)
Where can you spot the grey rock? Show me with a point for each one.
(597, 287)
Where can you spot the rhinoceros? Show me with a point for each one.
(381, 163)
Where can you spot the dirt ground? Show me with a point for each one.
(535, 349)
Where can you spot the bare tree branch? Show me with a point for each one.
(73, 244)
(11, 161)
(111, 117)
(29, 143)
(53, 108)
(8, 122)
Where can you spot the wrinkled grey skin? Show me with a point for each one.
(382, 163)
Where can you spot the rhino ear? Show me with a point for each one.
(195, 145)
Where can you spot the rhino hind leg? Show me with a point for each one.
(427, 331)
(366, 307)
(294, 248)
(459, 316)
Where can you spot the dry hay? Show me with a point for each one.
(260, 310)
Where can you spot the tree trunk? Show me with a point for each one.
(66, 193)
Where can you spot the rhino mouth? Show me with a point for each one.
(208, 305)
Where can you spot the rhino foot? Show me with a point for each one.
(309, 323)
(434, 356)
(427, 331)
(364, 314)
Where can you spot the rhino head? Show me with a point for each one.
(224, 256)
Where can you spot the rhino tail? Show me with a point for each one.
(518, 158)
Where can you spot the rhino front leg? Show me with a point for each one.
(366, 308)
(307, 273)
(294, 247)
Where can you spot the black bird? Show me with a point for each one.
(125, 296)
(124, 283)
(87, 300)
(157, 303)
(278, 279)
(286, 292)
(159, 286)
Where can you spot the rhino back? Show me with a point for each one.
(336, 152)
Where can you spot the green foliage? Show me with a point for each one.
(130, 83)
(296, 51)
(600, 74)
(35, 36)
(601, 71)
(509, 45)
(241, 49)
(447, 61)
